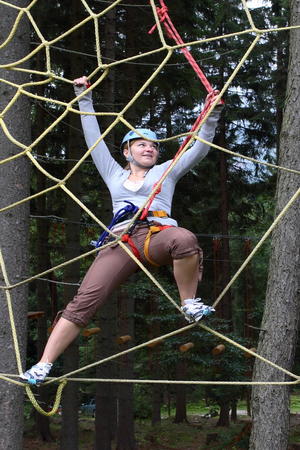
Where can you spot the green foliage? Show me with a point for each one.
(235, 438)
(142, 406)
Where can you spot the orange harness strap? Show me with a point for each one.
(159, 213)
(152, 229)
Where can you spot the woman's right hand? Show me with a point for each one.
(82, 81)
(211, 96)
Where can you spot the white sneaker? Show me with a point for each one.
(37, 373)
(194, 309)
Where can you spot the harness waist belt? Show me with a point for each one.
(160, 213)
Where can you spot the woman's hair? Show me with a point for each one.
(127, 166)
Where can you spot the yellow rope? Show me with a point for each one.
(245, 349)
(124, 352)
(258, 245)
(164, 381)
(193, 382)
(11, 315)
(18, 355)
(248, 158)
(56, 401)
(99, 74)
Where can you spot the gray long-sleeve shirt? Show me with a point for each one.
(114, 175)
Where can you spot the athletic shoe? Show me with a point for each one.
(194, 309)
(37, 373)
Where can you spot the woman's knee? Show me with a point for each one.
(184, 243)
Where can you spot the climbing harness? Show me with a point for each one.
(127, 213)
(152, 229)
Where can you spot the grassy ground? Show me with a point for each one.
(198, 434)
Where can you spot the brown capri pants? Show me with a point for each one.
(113, 266)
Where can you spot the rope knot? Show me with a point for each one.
(162, 14)
(57, 400)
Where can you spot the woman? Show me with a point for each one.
(170, 244)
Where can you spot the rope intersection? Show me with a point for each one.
(101, 71)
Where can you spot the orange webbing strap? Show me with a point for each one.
(153, 229)
(159, 213)
(126, 237)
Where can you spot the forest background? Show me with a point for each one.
(226, 201)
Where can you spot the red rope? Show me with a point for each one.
(173, 33)
(127, 238)
(198, 121)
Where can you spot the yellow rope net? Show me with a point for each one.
(97, 76)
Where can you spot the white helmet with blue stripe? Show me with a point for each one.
(140, 133)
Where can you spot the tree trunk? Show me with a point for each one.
(129, 70)
(42, 301)
(106, 398)
(156, 391)
(280, 47)
(69, 435)
(153, 357)
(233, 415)
(224, 413)
(70, 400)
(125, 424)
(42, 259)
(281, 317)
(248, 295)
(14, 186)
(180, 392)
(224, 309)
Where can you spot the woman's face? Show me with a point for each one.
(143, 152)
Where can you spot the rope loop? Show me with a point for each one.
(57, 400)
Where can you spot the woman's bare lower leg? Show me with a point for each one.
(61, 337)
(186, 273)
